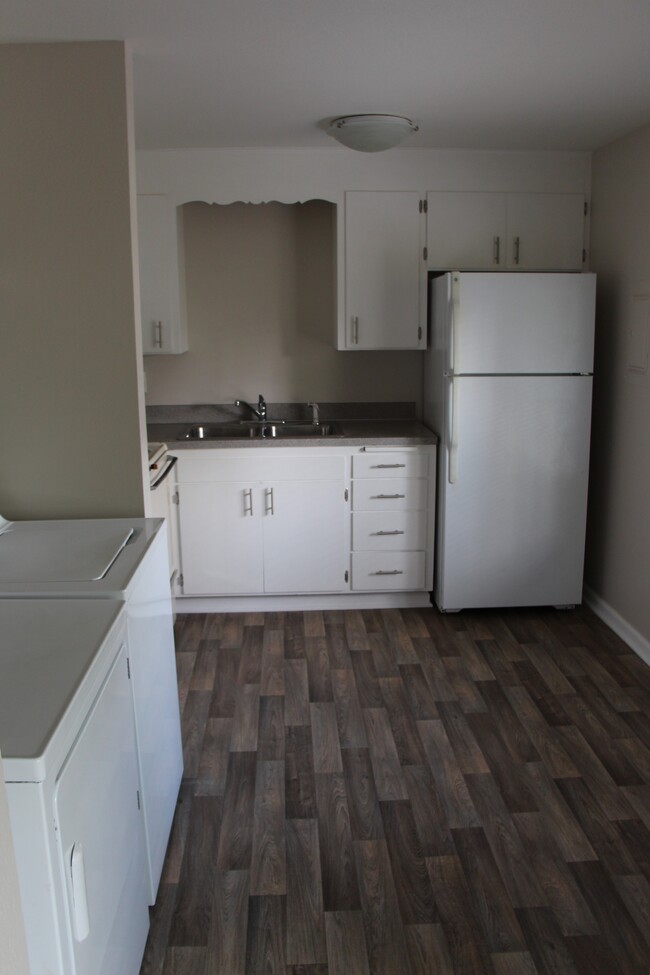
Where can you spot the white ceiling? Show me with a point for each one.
(518, 74)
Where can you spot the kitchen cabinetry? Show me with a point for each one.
(252, 524)
(162, 275)
(527, 231)
(385, 279)
(393, 505)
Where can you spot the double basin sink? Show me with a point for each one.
(261, 430)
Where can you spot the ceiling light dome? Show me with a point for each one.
(371, 133)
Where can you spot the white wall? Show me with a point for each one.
(71, 402)
(618, 550)
(13, 950)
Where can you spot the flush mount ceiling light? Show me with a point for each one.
(371, 133)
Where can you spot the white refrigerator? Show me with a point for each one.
(507, 388)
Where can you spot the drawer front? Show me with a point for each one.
(389, 494)
(389, 531)
(388, 570)
(258, 464)
(391, 463)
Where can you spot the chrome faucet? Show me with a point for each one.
(314, 413)
(260, 412)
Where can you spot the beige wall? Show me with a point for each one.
(13, 950)
(618, 551)
(261, 314)
(70, 401)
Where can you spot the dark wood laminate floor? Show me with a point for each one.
(405, 793)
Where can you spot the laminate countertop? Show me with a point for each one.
(389, 432)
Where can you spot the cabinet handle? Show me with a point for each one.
(157, 335)
(388, 572)
(270, 510)
(384, 496)
(515, 251)
(496, 248)
(355, 329)
(248, 508)
(387, 465)
(396, 532)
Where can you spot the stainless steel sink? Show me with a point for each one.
(255, 430)
(289, 430)
(220, 431)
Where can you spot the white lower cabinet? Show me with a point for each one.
(300, 521)
(274, 524)
(221, 538)
(393, 507)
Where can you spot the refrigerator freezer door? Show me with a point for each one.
(521, 323)
(513, 492)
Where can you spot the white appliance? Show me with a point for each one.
(67, 736)
(124, 560)
(507, 388)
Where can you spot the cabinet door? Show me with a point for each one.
(304, 536)
(220, 537)
(384, 271)
(466, 230)
(162, 299)
(545, 231)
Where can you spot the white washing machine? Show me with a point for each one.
(67, 735)
(124, 560)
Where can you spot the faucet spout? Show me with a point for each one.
(260, 412)
(314, 413)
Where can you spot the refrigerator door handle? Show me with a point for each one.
(454, 322)
(452, 461)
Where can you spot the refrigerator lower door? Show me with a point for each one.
(513, 491)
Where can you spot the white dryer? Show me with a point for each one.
(67, 736)
(122, 559)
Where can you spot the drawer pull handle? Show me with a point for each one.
(384, 496)
(395, 532)
(270, 506)
(384, 466)
(388, 572)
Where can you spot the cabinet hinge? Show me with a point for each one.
(346, 494)
(425, 253)
(175, 497)
(347, 576)
(586, 208)
(181, 580)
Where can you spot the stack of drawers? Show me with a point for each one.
(393, 494)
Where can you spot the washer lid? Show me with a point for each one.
(64, 551)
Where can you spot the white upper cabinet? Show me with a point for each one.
(162, 278)
(496, 231)
(546, 231)
(466, 230)
(385, 279)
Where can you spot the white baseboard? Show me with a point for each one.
(635, 640)
(271, 604)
